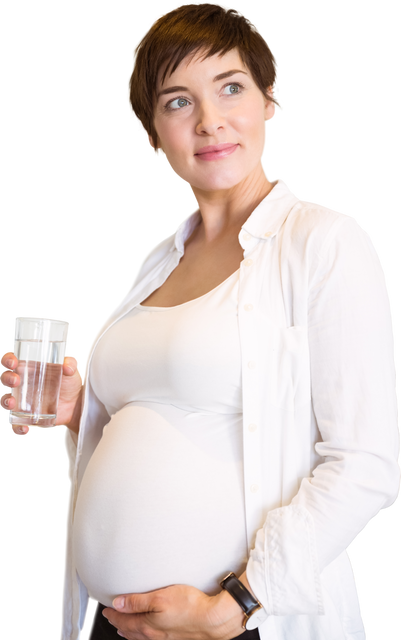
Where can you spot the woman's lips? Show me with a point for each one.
(215, 152)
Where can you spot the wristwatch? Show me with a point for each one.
(240, 593)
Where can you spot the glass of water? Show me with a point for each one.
(39, 347)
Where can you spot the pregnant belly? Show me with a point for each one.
(161, 502)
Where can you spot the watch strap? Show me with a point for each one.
(241, 595)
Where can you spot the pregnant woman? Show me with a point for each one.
(237, 428)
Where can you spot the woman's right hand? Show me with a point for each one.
(69, 404)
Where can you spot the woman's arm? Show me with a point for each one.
(76, 417)
(351, 353)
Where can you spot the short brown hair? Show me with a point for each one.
(187, 30)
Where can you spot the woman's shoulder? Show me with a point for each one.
(320, 239)
(299, 220)
(319, 226)
(312, 217)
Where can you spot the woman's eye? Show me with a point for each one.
(239, 86)
(230, 89)
(168, 105)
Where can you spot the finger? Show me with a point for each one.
(20, 431)
(6, 401)
(9, 379)
(69, 366)
(5, 356)
(17, 430)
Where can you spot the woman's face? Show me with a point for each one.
(212, 103)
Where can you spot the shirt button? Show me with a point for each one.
(248, 307)
(252, 364)
(252, 427)
(247, 237)
(268, 234)
(254, 488)
(248, 262)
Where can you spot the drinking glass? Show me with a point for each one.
(39, 347)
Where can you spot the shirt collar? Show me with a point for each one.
(263, 223)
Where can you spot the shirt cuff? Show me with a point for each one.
(282, 570)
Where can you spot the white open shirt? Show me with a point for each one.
(320, 435)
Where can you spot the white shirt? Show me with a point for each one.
(319, 411)
(162, 498)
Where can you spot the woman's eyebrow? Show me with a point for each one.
(220, 76)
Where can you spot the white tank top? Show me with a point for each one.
(162, 500)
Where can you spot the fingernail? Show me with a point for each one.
(70, 369)
(6, 401)
(121, 634)
(9, 364)
(118, 603)
(22, 430)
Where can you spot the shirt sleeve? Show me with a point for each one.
(354, 403)
(71, 441)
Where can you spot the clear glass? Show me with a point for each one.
(39, 347)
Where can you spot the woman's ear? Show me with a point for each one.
(271, 110)
(149, 142)
(158, 146)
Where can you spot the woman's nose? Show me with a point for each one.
(209, 119)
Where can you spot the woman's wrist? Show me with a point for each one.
(228, 612)
(73, 427)
(73, 424)
(245, 582)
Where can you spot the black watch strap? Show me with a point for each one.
(240, 593)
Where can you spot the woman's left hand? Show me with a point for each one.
(178, 612)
